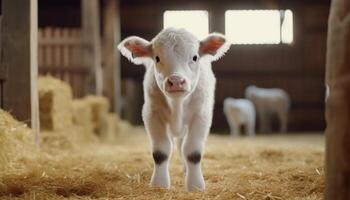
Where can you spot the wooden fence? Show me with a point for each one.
(59, 55)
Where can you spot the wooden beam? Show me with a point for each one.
(19, 46)
(111, 36)
(92, 44)
(338, 103)
(216, 19)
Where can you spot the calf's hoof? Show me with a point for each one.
(195, 185)
(160, 182)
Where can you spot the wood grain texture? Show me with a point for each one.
(91, 49)
(111, 57)
(337, 107)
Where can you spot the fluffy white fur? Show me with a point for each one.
(240, 112)
(185, 115)
(269, 102)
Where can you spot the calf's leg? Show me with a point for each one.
(193, 152)
(161, 151)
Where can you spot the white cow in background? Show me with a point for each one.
(240, 112)
(269, 102)
(179, 89)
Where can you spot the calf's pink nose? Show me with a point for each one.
(175, 80)
(175, 83)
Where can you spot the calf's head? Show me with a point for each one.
(177, 57)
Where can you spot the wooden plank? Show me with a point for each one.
(19, 40)
(92, 44)
(338, 103)
(59, 47)
(111, 36)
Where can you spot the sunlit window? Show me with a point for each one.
(195, 21)
(259, 26)
(287, 27)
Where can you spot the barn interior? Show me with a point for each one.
(70, 118)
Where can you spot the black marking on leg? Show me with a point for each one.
(194, 157)
(159, 157)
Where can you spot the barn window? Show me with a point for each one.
(259, 26)
(195, 21)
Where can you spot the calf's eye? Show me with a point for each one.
(194, 58)
(157, 59)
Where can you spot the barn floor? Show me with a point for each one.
(266, 167)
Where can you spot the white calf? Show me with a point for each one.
(240, 112)
(179, 89)
(269, 102)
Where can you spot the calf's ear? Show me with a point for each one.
(136, 49)
(215, 45)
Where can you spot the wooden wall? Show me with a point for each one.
(59, 13)
(297, 68)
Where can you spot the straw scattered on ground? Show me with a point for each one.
(267, 167)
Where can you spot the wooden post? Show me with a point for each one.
(111, 36)
(20, 61)
(338, 102)
(92, 44)
(216, 18)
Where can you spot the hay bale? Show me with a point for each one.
(82, 114)
(16, 141)
(55, 104)
(99, 110)
(112, 129)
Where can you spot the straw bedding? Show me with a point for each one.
(15, 138)
(73, 163)
(269, 167)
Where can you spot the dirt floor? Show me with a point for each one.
(270, 167)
